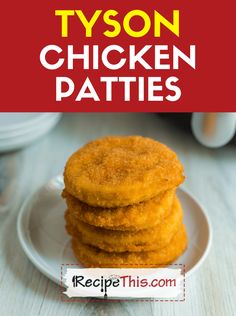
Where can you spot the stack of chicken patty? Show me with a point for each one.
(122, 208)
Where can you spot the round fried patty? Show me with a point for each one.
(120, 171)
(91, 256)
(133, 217)
(120, 241)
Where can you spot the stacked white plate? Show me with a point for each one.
(20, 129)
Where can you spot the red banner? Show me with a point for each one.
(148, 56)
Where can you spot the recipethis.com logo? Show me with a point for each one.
(161, 283)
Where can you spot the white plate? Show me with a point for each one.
(26, 128)
(24, 138)
(14, 121)
(42, 235)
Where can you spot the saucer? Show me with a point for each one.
(42, 234)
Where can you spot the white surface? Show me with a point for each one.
(42, 235)
(210, 176)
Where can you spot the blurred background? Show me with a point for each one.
(18, 130)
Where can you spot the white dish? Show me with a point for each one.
(13, 120)
(24, 137)
(27, 128)
(42, 235)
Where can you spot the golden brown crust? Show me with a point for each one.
(120, 241)
(93, 257)
(134, 217)
(119, 171)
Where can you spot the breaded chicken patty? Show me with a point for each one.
(133, 217)
(118, 171)
(120, 241)
(91, 256)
